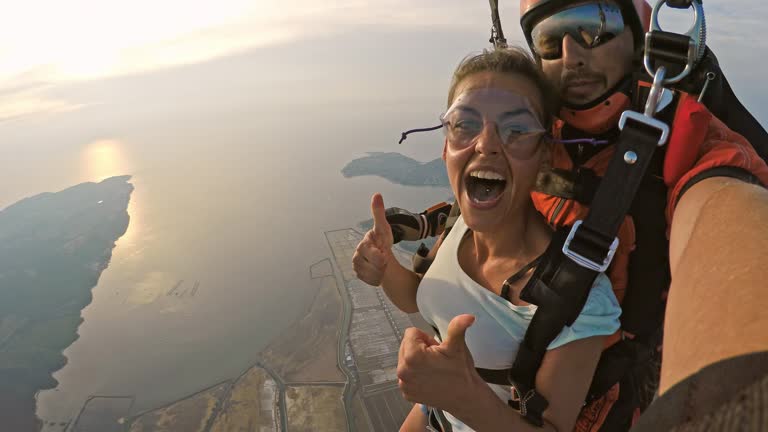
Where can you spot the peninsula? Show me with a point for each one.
(53, 248)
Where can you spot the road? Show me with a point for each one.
(343, 337)
(281, 389)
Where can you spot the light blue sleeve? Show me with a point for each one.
(600, 315)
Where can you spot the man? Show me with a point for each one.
(589, 51)
(593, 73)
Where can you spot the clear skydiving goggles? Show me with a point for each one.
(509, 116)
(589, 24)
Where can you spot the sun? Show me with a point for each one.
(103, 159)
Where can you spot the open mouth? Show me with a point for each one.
(485, 187)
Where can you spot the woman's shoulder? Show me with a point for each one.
(603, 287)
(599, 317)
(601, 299)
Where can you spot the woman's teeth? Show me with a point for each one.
(487, 175)
(485, 186)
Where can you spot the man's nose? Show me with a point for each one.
(574, 55)
(488, 142)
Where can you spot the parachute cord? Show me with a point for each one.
(594, 142)
(497, 34)
(406, 133)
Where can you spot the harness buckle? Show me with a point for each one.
(584, 261)
(521, 401)
(655, 98)
(530, 404)
(697, 35)
(644, 119)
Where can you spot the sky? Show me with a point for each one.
(46, 45)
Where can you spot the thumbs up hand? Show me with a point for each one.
(382, 232)
(455, 344)
(437, 374)
(374, 253)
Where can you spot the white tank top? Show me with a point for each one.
(447, 291)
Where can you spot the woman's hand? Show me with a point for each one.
(374, 253)
(437, 374)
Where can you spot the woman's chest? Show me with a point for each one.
(503, 277)
(499, 326)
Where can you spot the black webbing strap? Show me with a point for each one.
(411, 227)
(579, 184)
(453, 216)
(614, 363)
(560, 285)
(421, 260)
(679, 4)
(669, 50)
(623, 177)
(505, 287)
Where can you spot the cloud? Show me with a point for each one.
(95, 39)
(27, 98)
(84, 40)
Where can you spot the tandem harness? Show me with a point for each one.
(561, 282)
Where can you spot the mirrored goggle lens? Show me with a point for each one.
(590, 25)
(509, 115)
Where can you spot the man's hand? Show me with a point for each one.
(437, 374)
(374, 253)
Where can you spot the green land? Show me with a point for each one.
(53, 248)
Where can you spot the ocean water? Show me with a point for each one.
(235, 183)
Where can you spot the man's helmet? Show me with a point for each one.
(636, 13)
(602, 114)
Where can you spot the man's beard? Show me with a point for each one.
(571, 78)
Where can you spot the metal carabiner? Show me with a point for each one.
(696, 47)
(657, 89)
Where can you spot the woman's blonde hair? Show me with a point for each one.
(513, 60)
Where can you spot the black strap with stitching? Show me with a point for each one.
(560, 286)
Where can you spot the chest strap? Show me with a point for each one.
(579, 184)
(562, 281)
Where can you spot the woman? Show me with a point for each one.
(496, 144)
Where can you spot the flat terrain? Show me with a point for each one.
(103, 414)
(315, 409)
(250, 406)
(187, 415)
(307, 351)
(304, 358)
(359, 415)
(377, 327)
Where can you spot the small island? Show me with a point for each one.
(399, 169)
(53, 249)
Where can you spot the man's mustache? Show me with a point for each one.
(569, 78)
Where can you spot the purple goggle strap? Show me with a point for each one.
(592, 141)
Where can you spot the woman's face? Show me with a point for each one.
(494, 147)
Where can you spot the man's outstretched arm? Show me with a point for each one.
(719, 293)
